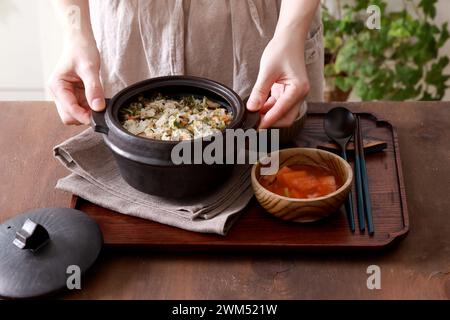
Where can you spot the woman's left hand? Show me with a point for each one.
(282, 73)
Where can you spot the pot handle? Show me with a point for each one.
(98, 121)
(251, 119)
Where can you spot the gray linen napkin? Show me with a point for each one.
(95, 177)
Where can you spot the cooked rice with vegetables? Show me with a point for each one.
(169, 119)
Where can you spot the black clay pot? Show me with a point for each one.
(146, 164)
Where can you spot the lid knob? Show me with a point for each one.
(32, 236)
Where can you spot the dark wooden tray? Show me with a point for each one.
(256, 229)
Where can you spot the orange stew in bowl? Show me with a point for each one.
(301, 181)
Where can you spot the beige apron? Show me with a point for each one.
(222, 40)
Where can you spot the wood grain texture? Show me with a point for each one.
(415, 268)
(370, 146)
(258, 230)
(305, 210)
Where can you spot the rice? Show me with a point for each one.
(174, 120)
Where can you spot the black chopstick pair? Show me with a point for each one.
(364, 204)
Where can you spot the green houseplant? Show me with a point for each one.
(400, 61)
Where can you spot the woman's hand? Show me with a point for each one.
(282, 73)
(75, 83)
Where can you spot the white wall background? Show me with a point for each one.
(30, 43)
(30, 40)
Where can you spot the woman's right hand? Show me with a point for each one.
(75, 83)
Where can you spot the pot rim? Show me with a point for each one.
(215, 87)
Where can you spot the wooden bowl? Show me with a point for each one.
(305, 210)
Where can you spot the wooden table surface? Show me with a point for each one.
(418, 267)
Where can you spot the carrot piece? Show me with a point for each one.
(329, 181)
(288, 177)
(305, 183)
(327, 184)
(284, 170)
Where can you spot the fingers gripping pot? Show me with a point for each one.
(146, 164)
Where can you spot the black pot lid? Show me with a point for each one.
(41, 249)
